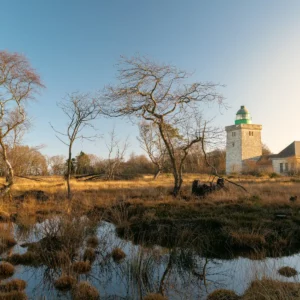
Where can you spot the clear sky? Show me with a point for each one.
(252, 47)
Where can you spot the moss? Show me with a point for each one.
(85, 291)
(287, 271)
(13, 285)
(223, 294)
(6, 270)
(81, 267)
(118, 254)
(64, 282)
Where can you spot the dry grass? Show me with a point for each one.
(92, 242)
(118, 254)
(6, 270)
(89, 254)
(13, 285)
(287, 271)
(14, 295)
(65, 282)
(153, 296)
(85, 291)
(268, 289)
(28, 258)
(81, 267)
(223, 295)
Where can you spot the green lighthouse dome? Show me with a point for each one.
(243, 116)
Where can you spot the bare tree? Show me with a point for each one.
(151, 141)
(18, 83)
(81, 109)
(158, 94)
(116, 154)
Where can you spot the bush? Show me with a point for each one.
(85, 291)
(274, 175)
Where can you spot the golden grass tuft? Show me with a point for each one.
(118, 254)
(154, 296)
(14, 295)
(266, 289)
(81, 267)
(85, 291)
(89, 254)
(13, 285)
(223, 294)
(92, 242)
(287, 271)
(64, 282)
(6, 270)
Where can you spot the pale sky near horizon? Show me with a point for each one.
(252, 47)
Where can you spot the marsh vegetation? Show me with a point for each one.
(133, 239)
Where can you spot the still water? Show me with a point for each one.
(179, 273)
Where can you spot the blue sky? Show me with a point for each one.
(252, 47)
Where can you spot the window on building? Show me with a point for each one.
(286, 167)
(281, 167)
(232, 144)
(250, 133)
(233, 133)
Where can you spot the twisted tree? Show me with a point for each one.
(19, 83)
(160, 95)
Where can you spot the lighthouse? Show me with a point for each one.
(243, 142)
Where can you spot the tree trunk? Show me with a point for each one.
(177, 182)
(157, 174)
(69, 172)
(10, 175)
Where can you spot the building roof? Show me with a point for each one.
(292, 150)
(242, 111)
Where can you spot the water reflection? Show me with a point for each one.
(176, 273)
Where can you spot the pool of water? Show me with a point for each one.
(178, 273)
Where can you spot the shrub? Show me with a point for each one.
(274, 175)
(85, 291)
(13, 285)
(81, 267)
(223, 294)
(6, 270)
(64, 282)
(118, 254)
(287, 271)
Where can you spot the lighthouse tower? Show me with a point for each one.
(243, 142)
